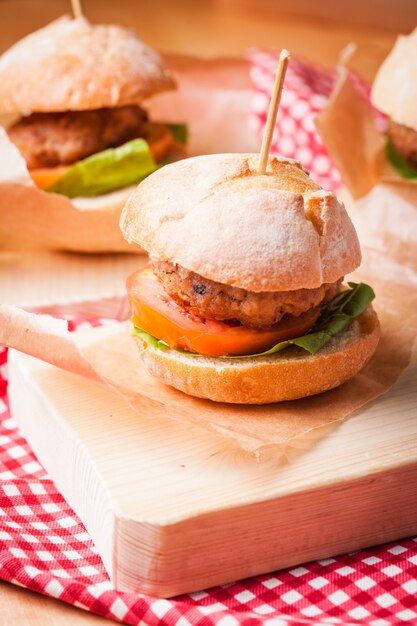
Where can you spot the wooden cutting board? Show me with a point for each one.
(172, 508)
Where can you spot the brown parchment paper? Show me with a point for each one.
(349, 131)
(213, 99)
(107, 356)
(382, 205)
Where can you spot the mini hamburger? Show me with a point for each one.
(394, 92)
(77, 90)
(243, 300)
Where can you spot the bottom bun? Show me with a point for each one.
(287, 375)
(111, 201)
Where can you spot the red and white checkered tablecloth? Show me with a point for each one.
(306, 92)
(44, 546)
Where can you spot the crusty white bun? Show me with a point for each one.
(214, 215)
(394, 91)
(71, 64)
(287, 375)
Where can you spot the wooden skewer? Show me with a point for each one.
(77, 8)
(284, 58)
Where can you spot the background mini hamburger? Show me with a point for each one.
(242, 302)
(394, 92)
(78, 89)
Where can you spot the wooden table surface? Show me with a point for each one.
(206, 28)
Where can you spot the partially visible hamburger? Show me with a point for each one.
(243, 300)
(78, 90)
(394, 92)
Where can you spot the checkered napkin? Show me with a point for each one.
(45, 547)
(305, 94)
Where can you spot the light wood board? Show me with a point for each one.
(173, 508)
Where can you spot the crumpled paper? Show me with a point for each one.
(107, 357)
(349, 129)
(382, 205)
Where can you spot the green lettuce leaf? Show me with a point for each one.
(179, 132)
(107, 170)
(400, 163)
(335, 316)
(153, 341)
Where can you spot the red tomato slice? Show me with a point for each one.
(44, 177)
(160, 141)
(156, 313)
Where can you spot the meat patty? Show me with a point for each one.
(213, 300)
(404, 140)
(49, 139)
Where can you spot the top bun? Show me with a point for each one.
(72, 65)
(394, 91)
(216, 216)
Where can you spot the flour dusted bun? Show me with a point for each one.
(395, 87)
(288, 375)
(214, 215)
(71, 64)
